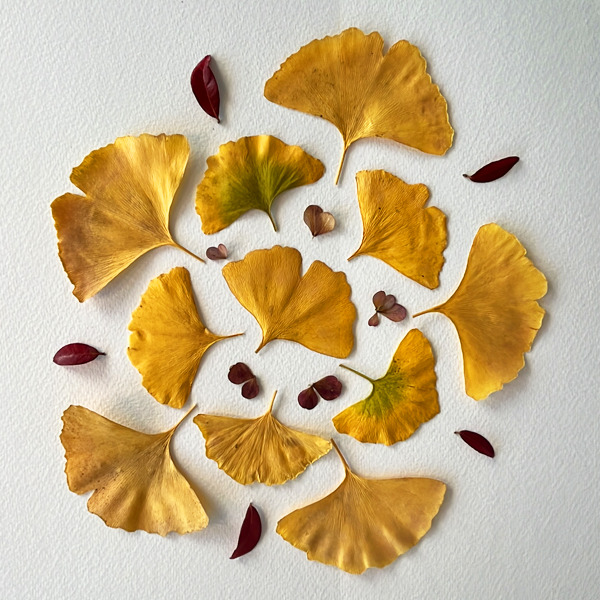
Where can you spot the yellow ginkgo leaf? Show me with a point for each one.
(129, 188)
(402, 400)
(135, 483)
(398, 229)
(168, 338)
(259, 450)
(494, 310)
(364, 522)
(347, 80)
(314, 310)
(250, 174)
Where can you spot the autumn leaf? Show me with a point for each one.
(313, 310)
(135, 483)
(76, 354)
(262, 449)
(206, 88)
(402, 400)
(364, 523)
(249, 534)
(129, 188)
(398, 229)
(494, 310)
(168, 339)
(347, 80)
(250, 174)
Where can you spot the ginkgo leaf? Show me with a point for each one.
(250, 174)
(135, 483)
(364, 522)
(259, 450)
(347, 80)
(494, 310)
(168, 338)
(314, 309)
(129, 188)
(402, 400)
(398, 229)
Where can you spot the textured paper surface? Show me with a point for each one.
(519, 80)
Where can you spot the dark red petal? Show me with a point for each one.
(217, 253)
(374, 320)
(494, 170)
(477, 442)
(396, 313)
(205, 88)
(387, 303)
(76, 354)
(329, 388)
(250, 389)
(379, 299)
(249, 533)
(239, 373)
(308, 398)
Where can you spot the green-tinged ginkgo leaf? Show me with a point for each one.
(402, 400)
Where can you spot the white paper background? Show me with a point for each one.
(520, 78)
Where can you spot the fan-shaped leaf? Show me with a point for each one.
(347, 80)
(402, 400)
(135, 483)
(398, 230)
(313, 310)
(250, 174)
(168, 339)
(364, 522)
(129, 188)
(262, 449)
(494, 310)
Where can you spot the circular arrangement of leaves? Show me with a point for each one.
(128, 188)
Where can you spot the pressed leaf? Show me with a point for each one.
(386, 305)
(239, 373)
(494, 170)
(329, 388)
(477, 442)
(250, 174)
(313, 310)
(168, 339)
(250, 389)
(494, 310)
(402, 400)
(135, 483)
(129, 188)
(398, 229)
(249, 534)
(206, 88)
(218, 253)
(347, 80)
(262, 449)
(76, 354)
(374, 320)
(318, 221)
(308, 398)
(364, 522)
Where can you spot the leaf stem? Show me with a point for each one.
(172, 430)
(346, 467)
(357, 373)
(424, 312)
(272, 402)
(176, 245)
(339, 171)
(272, 220)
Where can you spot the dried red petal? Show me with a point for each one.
(206, 88)
(76, 354)
(329, 388)
(250, 389)
(239, 373)
(387, 304)
(249, 533)
(396, 313)
(494, 170)
(477, 442)
(374, 320)
(308, 398)
(218, 253)
(318, 222)
(379, 299)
